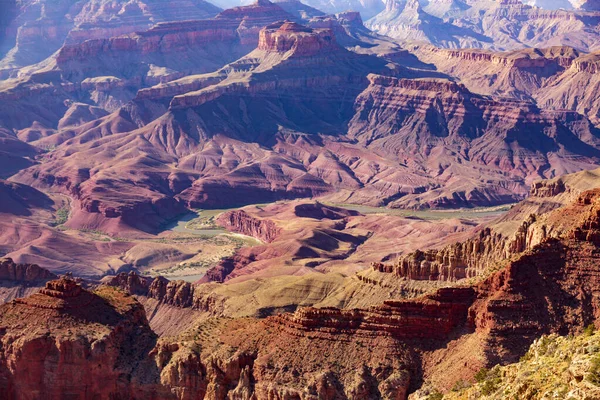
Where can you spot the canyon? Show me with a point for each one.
(352, 165)
(285, 200)
(467, 325)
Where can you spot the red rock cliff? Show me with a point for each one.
(241, 222)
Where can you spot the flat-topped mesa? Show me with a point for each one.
(437, 85)
(300, 40)
(62, 288)
(562, 56)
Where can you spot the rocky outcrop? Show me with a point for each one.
(458, 261)
(179, 294)
(19, 280)
(240, 221)
(547, 188)
(431, 317)
(589, 64)
(79, 342)
(23, 273)
(300, 40)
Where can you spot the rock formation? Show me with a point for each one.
(241, 222)
(492, 245)
(23, 273)
(547, 288)
(431, 317)
(84, 335)
(36, 28)
(19, 280)
(478, 25)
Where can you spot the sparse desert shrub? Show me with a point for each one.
(435, 395)
(481, 375)
(62, 215)
(460, 385)
(594, 375)
(489, 380)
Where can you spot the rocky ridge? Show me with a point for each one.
(502, 25)
(37, 28)
(23, 273)
(410, 119)
(495, 243)
(552, 77)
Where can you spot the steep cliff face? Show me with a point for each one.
(23, 273)
(549, 212)
(90, 340)
(459, 261)
(39, 28)
(426, 117)
(19, 280)
(241, 222)
(431, 317)
(178, 294)
(575, 89)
